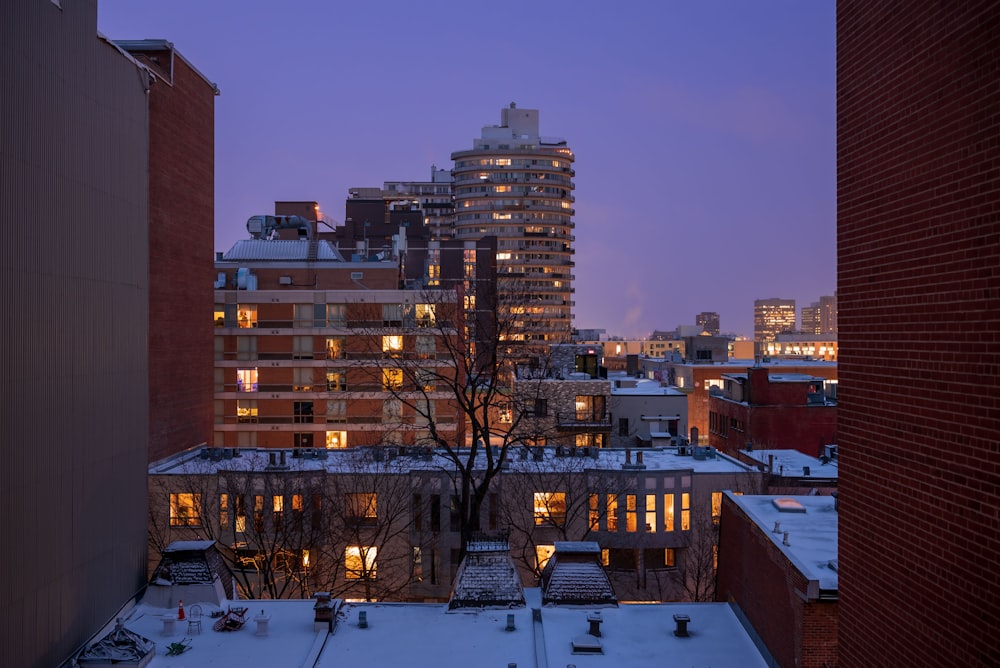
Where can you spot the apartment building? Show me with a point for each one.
(772, 317)
(383, 522)
(516, 185)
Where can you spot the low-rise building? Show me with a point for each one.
(764, 409)
(778, 568)
(645, 412)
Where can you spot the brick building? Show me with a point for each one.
(919, 296)
(181, 234)
(697, 380)
(778, 569)
(765, 409)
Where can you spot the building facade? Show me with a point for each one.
(765, 409)
(918, 249)
(772, 317)
(383, 522)
(517, 185)
(708, 321)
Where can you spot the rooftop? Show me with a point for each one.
(792, 463)
(812, 534)
(206, 460)
(286, 250)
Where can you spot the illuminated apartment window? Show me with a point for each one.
(185, 510)
(670, 557)
(361, 508)
(417, 565)
(277, 511)
(612, 512)
(220, 317)
(336, 381)
(392, 345)
(630, 513)
(542, 555)
(716, 507)
(258, 513)
(223, 511)
(503, 256)
(668, 512)
(685, 511)
(246, 380)
(426, 315)
(359, 562)
(297, 510)
(651, 513)
(334, 347)
(550, 508)
(247, 315)
(246, 410)
(605, 557)
(392, 379)
(593, 512)
(336, 439)
(239, 505)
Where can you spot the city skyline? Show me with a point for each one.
(706, 133)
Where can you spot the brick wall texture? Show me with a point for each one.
(918, 114)
(181, 237)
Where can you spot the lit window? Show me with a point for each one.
(335, 381)
(392, 379)
(247, 315)
(685, 511)
(426, 315)
(220, 318)
(651, 513)
(185, 510)
(223, 511)
(716, 506)
(630, 513)
(612, 512)
(246, 380)
(503, 256)
(542, 555)
(335, 348)
(392, 345)
(593, 512)
(359, 562)
(669, 558)
(278, 510)
(668, 512)
(550, 508)
(246, 411)
(361, 508)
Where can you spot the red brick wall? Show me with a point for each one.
(918, 94)
(758, 577)
(181, 221)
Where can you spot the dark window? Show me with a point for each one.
(541, 407)
(435, 513)
(418, 513)
(455, 513)
(623, 426)
(303, 411)
(303, 440)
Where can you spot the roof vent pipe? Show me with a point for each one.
(777, 526)
(510, 622)
(682, 621)
(362, 619)
(785, 541)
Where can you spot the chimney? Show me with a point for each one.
(594, 618)
(638, 456)
(363, 619)
(323, 612)
(628, 456)
(510, 622)
(283, 464)
(682, 621)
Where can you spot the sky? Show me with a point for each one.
(704, 132)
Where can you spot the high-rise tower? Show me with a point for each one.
(517, 185)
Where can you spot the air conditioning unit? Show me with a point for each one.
(830, 451)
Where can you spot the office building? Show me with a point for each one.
(918, 251)
(517, 185)
(772, 317)
(708, 321)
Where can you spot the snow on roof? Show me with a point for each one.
(249, 250)
(487, 578)
(404, 460)
(812, 535)
(792, 463)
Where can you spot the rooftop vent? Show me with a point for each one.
(681, 628)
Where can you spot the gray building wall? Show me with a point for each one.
(73, 281)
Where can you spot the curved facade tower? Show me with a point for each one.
(517, 186)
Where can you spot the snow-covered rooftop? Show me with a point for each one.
(792, 463)
(250, 250)
(403, 460)
(812, 535)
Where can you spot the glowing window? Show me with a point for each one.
(630, 513)
(685, 511)
(392, 379)
(716, 506)
(336, 439)
(247, 315)
(426, 315)
(185, 510)
(542, 555)
(246, 380)
(668, 512)
(359, 562)
(612, 512)
(392, 345)
(651, 513)
(550, 508)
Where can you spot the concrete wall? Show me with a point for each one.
(73, 281)
(919, 327)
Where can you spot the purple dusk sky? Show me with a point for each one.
(704, 132)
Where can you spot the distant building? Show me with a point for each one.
(820, 317)
(697, 380)
(766, 409)
(798, 345)
(810, 319)
(708, 321)
(772, 317)
(778, 568)
(516, 185)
